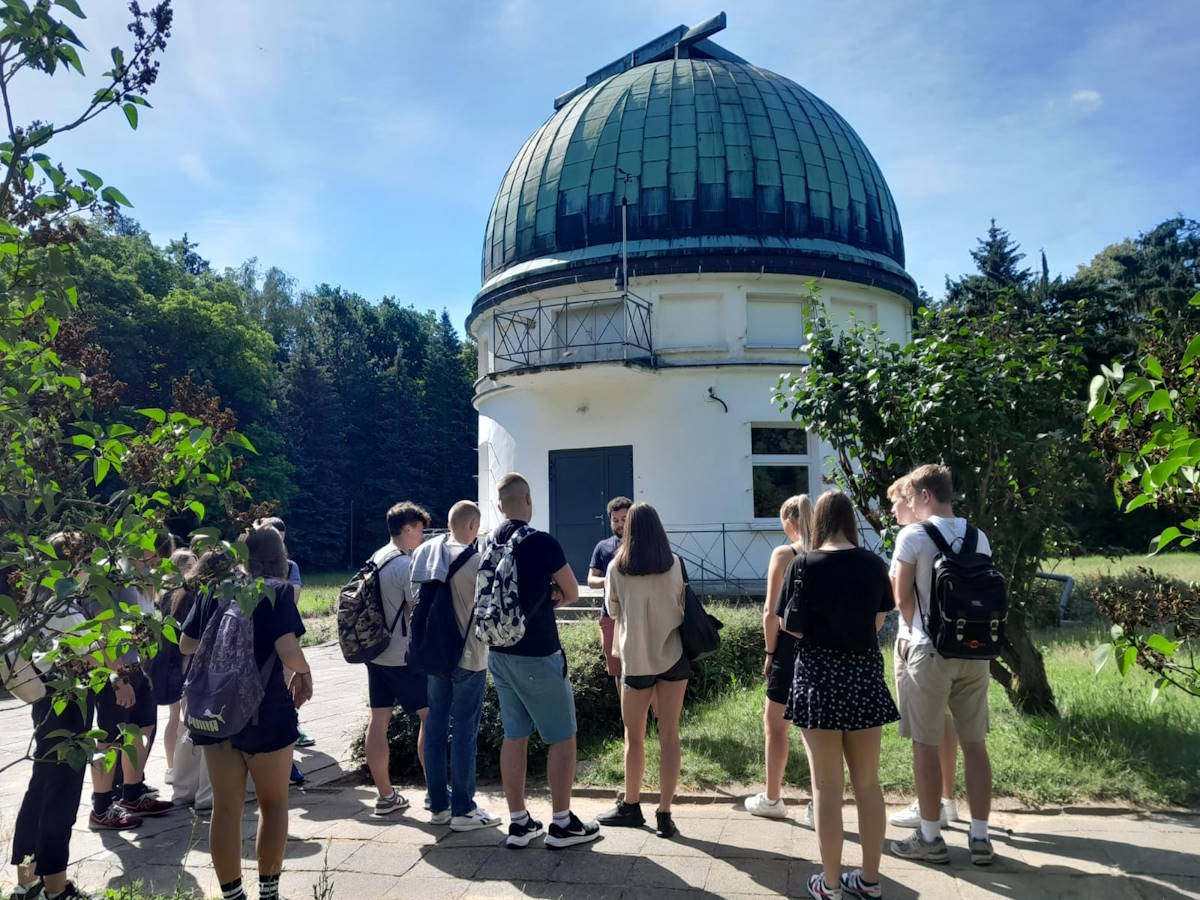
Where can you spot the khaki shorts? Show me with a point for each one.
(899, 655)
(930, 684)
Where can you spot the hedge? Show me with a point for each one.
(598, 714)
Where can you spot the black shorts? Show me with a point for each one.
(110, 717)
(392, 686)
(276, 726)
(681, 671)
(783, 669)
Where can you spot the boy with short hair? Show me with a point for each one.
(931, 682)
(455, 699)
(531, 678)
(900, 495)
(390, 682)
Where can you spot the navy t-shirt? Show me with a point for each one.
(604, 553)
(274, 617)
(538, 556)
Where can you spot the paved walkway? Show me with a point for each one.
(720, 852)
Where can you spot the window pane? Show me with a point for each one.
(774, 484)
(789, 441)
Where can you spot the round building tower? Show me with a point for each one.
(645, 266)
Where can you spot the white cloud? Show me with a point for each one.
(194, 167)
(1087, 99)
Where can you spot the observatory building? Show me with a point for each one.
(645, 266)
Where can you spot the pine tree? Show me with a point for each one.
(997, 258)
(451, 425)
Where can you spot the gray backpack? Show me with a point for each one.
(224, 687)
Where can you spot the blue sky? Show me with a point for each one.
(361, 143)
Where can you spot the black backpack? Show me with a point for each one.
(967, 599)
(436, 642)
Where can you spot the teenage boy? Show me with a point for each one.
(932, 682)
(531, 678)
(900, 495)
(602, 555)
(390, 683)
(455, 699)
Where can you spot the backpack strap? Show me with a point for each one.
(460, 561)
(939, 539)
(970, 539)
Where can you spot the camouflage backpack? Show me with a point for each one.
(363, 629)
(499, 621)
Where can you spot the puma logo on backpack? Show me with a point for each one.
(967, 598)
(499, 621)
(363, 629)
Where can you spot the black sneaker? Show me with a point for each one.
(574, 832)
(72, 893)
(623, 815)
(28, 892)
(520, 835)
(666, 825)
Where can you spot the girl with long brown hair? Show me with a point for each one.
(644, 587)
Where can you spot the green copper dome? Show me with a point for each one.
(724, 166)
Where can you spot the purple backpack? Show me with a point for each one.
(224, 688)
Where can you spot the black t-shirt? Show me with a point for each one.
(538, 556)
(843, 591)
(274, 617)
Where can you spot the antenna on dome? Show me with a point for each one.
(625, 230)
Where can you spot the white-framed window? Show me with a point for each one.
(781, 464)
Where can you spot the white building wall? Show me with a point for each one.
(691, 459)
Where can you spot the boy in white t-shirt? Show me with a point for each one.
(900, 495)
(932, 682)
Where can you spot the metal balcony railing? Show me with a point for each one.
(594, 328)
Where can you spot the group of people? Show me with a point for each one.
(824, 674)
(828, 680)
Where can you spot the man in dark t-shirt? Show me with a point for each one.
(602, 555)
(531, 678)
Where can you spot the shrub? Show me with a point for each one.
(738, 661)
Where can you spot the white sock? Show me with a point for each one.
(946, 800)
(562, 818)
(772, 802)
(979, 829)
(520, 817)
(931, 831)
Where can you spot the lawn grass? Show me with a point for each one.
(318, 596)
(1182, 565)
(1108, 744)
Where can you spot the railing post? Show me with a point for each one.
(724, 555)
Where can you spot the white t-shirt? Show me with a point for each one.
(394, 588)
(903, 632)
(914, 546)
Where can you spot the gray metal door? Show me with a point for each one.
(581, 484)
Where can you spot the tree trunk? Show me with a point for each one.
(1022, 672)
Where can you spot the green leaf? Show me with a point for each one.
(1132, 388)
(1193, 349)
(71, 6)
(100, 467)
(1153, 366)
(9, 608)
(1159, 400)
(1096, 391)
(1168, 535)
(67, 52)
(83, 440)
(198, 508)
(1116, 632)
(111, 195)
(93, 180)
(1101, 656)
(1137, 502)
(1126, 660)
(8, 229)
(156, 414)
(1163, 645)
(1158, 686)
(131, 114)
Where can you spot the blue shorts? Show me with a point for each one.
(535, 693)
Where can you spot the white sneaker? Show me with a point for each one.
(949, 811)
(475, 819)
(808, 816)
(759, 805)
(910, 816)
(441, 817)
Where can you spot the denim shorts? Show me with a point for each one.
(535, 694)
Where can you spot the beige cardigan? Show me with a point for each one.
(648, 610)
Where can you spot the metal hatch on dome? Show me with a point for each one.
(680, 42)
